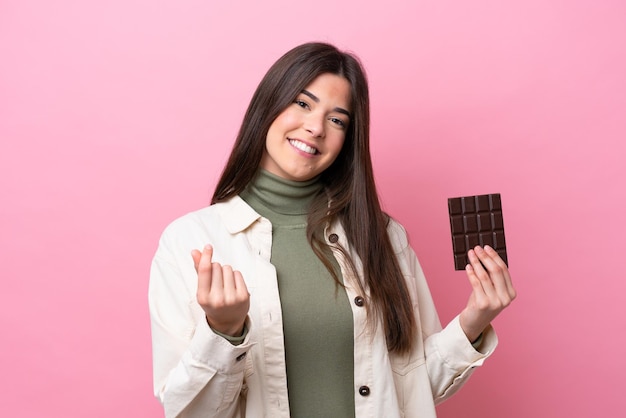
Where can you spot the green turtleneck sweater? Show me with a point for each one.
(317, 318)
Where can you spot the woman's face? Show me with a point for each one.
(307, 136)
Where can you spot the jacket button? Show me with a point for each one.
(241, 357)
(364, 391)
(333, 238)
(359, 301)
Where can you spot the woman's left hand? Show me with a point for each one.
(492, 290)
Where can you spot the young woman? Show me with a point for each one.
(293, 294)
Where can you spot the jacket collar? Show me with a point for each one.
(237, 214)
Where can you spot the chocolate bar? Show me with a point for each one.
(476, 220)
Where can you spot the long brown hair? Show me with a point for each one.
(348, 183)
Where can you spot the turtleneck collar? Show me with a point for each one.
(270, 194)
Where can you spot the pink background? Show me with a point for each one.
(117, 116)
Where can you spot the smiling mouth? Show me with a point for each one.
(303, 147)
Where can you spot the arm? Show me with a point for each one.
(492, 292)
(451, 359)
(194, 368)
(449, 355)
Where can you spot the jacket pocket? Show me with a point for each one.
(404, 364)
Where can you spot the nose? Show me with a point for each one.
(314, 124)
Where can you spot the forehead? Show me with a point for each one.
(331, 88)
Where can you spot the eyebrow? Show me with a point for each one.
(317, 100)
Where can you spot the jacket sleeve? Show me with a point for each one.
(450, 357)
(189, 359)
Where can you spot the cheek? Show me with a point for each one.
(337, 144)
(286, 120)
(278, 127)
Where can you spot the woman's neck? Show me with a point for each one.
(270, 193)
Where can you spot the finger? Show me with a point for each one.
(479, 270)
(204, 270)
(498, 272)
(487, 260)
(505, 271)
(217, 280)
(475, 282)
(196, 255)
(498, 276)
(228, 283)
(240, 284)
(494, 256)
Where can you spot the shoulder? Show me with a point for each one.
(192, 221)
(397, 235)
(189, 231)
(211, 224)
(234, 215)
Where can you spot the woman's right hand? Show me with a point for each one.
(222, 293)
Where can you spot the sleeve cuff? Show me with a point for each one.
(235, 340)
(216, 352)
(458, 352)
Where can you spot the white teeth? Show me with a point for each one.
(303, 147)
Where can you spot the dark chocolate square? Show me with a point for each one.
(476, 220)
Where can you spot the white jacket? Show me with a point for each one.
(200, 374)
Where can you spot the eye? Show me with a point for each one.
(340, 123)
(301, 103)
